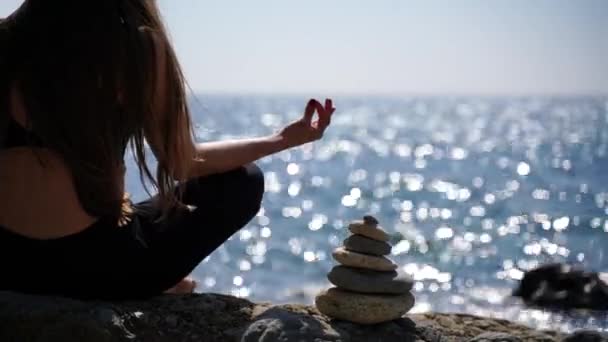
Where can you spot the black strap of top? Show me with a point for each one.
(4, 113)
(4, 87)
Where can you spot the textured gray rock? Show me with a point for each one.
(368, 281)
(362, 244)
(495, 337)
(298, 323)
(463, 327)
(213, 317)
(165, 318)
(355, 259)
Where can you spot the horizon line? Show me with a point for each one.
(398, 94)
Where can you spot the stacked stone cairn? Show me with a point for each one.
(369, 288)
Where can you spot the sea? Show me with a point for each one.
(474, 191)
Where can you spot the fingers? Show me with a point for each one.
(309, 112)
(329, 108)
(325, 112)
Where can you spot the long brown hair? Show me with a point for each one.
(95, 75)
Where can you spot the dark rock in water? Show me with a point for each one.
(586, 336)
(362, 244)
(563, 286)
(495, 337)
(368, 281)
(213, 317)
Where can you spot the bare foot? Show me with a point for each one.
(185, 286)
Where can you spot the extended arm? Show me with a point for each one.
(221, 156)
(183, 159)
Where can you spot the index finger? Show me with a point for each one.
(310, 110)
(329, 106)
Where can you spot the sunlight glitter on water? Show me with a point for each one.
(473, 191)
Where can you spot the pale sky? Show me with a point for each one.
(409, 47)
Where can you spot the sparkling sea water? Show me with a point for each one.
(479, 189)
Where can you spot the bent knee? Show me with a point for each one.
(252, 190)
(241, 190)
(255, 178)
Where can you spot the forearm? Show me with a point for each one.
(222, 156)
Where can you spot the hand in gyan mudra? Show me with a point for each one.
(308, 128)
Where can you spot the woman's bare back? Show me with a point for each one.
(39, 201)
(38, 197)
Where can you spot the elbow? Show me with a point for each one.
(176, 171)
(202, 167)
(195, 168)
(178, 175)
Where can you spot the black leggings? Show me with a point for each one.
(144, 258)
(224, 204)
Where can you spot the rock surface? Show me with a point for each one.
(371, 231)
(495, 337)
(213, 317)
(362, 244)
(368, 281)
(563, 286)
(363, 308)
(355, 259)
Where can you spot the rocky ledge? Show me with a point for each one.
(213, 317)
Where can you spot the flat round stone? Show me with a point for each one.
(363, 308)
(371, 231)
(362, 244)
(368, 281)
(359, 260)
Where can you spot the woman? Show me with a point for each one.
(79, 81)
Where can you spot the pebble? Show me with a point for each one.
(363, 308)
(368, 230)
(359, 260)
(362, 244)
(367, 281)
(369, 219)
